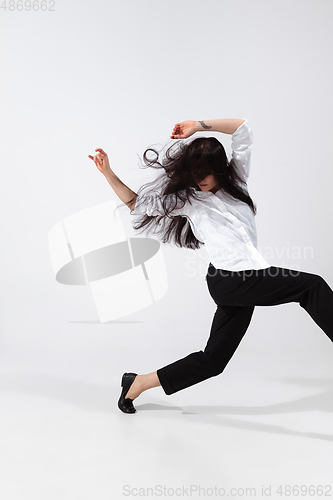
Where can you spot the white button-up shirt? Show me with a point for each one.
(226, 226)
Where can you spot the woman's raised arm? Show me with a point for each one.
(225, 125)
(122, 191)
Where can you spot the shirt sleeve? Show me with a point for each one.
(152, 205)
(241, 145)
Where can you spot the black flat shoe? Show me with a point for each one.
(126, 404)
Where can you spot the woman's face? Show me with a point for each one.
(209, 183)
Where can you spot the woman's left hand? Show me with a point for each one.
(184, 129)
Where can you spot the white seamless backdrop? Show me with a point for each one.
(119, 75)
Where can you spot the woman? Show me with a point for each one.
(204, 200)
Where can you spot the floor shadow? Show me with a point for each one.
(95, 397)
(209, 416)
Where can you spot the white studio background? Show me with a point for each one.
(119, 75)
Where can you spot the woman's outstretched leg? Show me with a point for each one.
(236, 294)
(229, 326)
(275, 286)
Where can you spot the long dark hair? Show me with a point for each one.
(185, 166)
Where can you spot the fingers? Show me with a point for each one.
(177, 132)
(101, 151)
(98, 160)
(99, 156)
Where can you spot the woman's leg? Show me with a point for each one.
(228, 328)
(274, 286)
(236, 294)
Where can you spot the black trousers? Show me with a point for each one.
(236, 293)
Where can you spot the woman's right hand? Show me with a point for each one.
(184, 129)
(101, 161)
